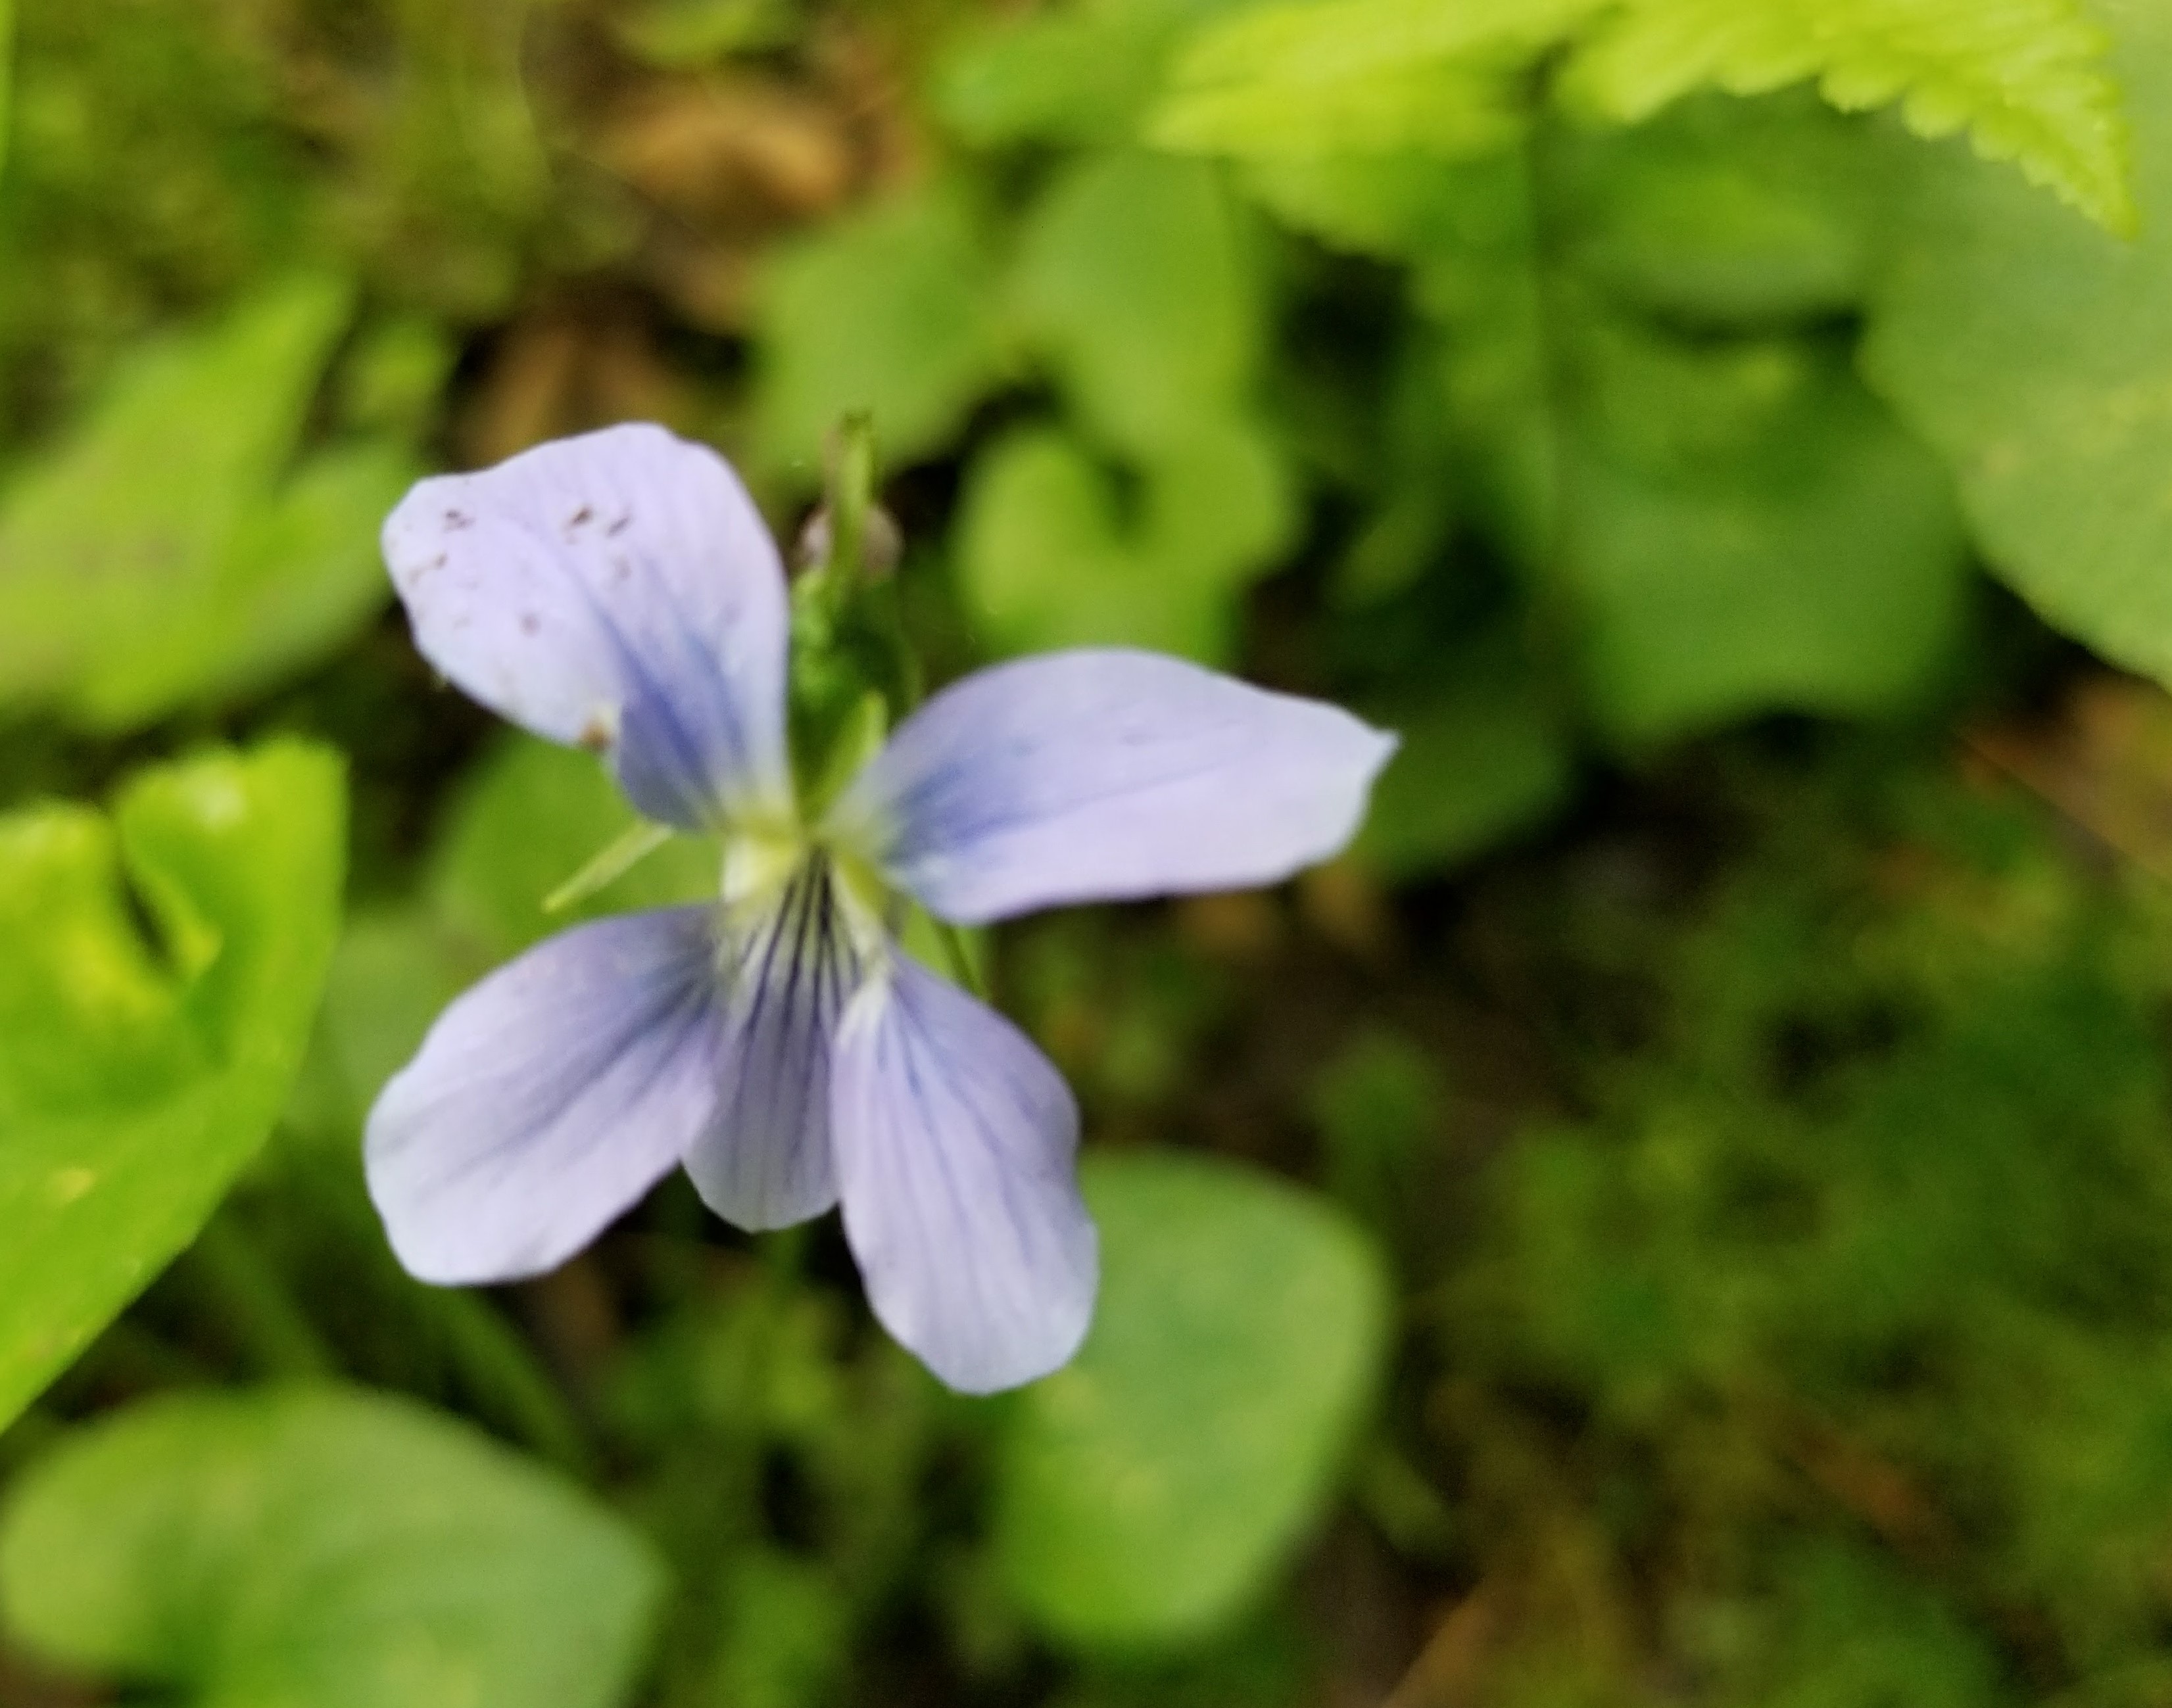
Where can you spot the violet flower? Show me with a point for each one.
(620, 591)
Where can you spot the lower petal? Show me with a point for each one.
(956, 1141)
(548, 1099)
(764, 1160)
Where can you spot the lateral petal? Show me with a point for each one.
(548, 1099)
(1104, 774)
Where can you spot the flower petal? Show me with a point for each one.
(548, 1099)
(955, 1141)
(1105, 774)
(619, 591)
(765, 1160)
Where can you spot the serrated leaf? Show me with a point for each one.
(2036, 354)
(158, 558)
(2025, 79)
(1148, 1490)
(888, 311)
(1325, 77)
(322, 1548)
(136, 1078)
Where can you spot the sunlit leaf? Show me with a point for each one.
(1310, 77)
(2025, 79)
(1148, 1490)
(315, 1548)
(137, 1076)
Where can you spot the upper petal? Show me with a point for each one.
(955, 1141)
(618, 590)
(784, 975)
(548, 1099)
(1103, 774)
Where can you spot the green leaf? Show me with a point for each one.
(530, 817)
(1715, 519)
(1150, 1490)
(694, 33)
(155, 559)
(1723, 212)
(1746, 528)
(2036, 354)
(1483, 757)
(315, 1548)
(2025, 78)
(1048, 557)
(887, 311)
(1085, 73)
(1138, 278)
(138, 1077)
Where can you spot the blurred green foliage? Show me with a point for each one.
(1678, 1214)
(339, 1549)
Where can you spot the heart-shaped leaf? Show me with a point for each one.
(316, 1548)
(1148, 1490)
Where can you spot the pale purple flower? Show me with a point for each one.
(620, 591)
